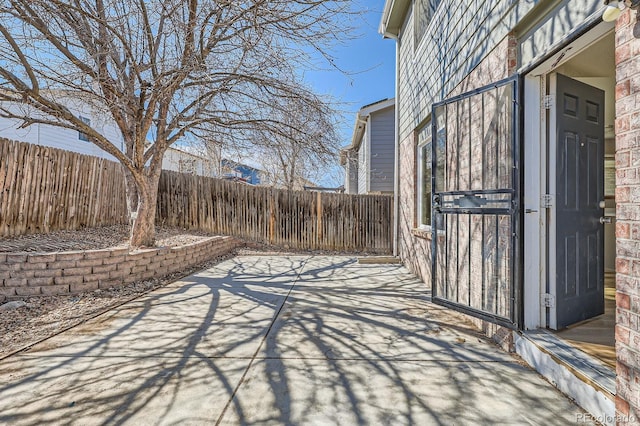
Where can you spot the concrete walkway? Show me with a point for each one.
(278, 340)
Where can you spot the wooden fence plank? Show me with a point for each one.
(46, 189)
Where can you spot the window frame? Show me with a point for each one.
(81, 135)
(424, 158)
(426, 8)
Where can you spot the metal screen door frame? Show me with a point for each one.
(478, 204)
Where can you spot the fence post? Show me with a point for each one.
(319, 217)
(272, 216)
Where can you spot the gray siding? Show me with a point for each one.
(382, 150)
(564, 19)
(456, 41)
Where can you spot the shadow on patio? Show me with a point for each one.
(278, 340)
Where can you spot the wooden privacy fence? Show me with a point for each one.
(297, 219)
(46, 189)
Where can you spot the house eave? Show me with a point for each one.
(393, 16)
(362, 118)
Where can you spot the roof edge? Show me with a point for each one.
(376, 106)
(362, 118)
(393, 16)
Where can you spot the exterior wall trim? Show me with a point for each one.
(545, 60)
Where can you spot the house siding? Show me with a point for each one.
(414, 244)
(414, 248)
(60, 137)
(457, 40)
(351, 173)
(184, 162)
(565, 18)
(382, 150)
(482, 42)
(463, 49)
(363, 165)
(68, 139)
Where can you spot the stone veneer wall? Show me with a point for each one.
(627, 220)
(25, 274)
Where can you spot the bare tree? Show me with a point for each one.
(161, 69)
(304, 148)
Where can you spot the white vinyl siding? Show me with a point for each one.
(363, 165)
(184, 162)
(351, 173)
(70, 140)
(60, 137)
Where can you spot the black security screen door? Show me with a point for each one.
(475, 178)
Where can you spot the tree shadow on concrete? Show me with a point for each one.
(288, 341)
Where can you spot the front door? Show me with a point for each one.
(579, 181)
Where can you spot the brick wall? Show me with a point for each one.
(23, 274)
(627, 218)
(415, 245)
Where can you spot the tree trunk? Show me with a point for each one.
(143, 218)
(131, 195)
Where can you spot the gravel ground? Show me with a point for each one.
(45, 316)
(93, 239)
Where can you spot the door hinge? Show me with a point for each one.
(548, 301)
(546, 201)
(548, 101)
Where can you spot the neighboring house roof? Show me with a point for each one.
(231, 163)
(393, 16)
(360, 124)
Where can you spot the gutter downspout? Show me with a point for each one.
(396, 183)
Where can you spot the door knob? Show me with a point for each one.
(602, 204)
(606, 219)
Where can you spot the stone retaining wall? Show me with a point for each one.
(24, 274)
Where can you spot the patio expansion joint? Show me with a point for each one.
(264, 338)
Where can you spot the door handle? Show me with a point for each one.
(530, 211)
(606, 219)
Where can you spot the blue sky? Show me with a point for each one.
(370, 64)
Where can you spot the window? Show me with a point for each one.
(83, 136)
(424, 175)
(424, 11)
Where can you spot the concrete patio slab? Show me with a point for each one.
(278, 340)
(94, 390)
(375, 392)
(367, 311)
